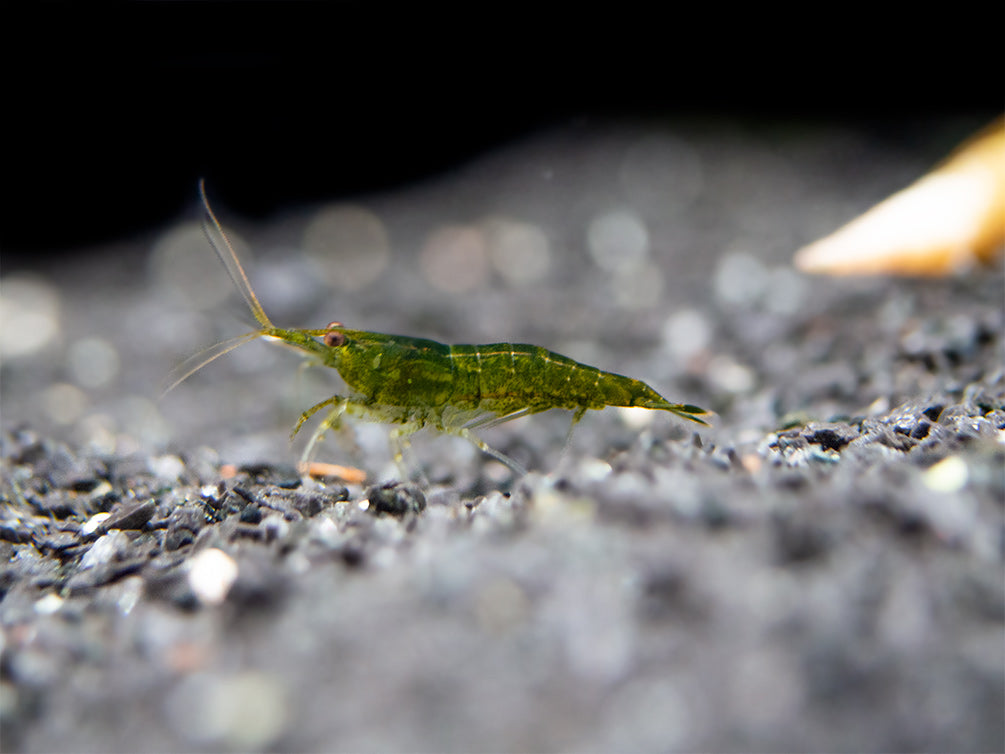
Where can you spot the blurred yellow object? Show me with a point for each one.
(945, 222)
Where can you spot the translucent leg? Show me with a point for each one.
(564, 462)
(484, 447)
(338, 401)
(568, 437)
(491, 420)
(402, 446)
(332, 421)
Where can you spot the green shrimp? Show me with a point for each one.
(455, 389)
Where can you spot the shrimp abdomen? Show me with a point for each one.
(510, 377)
(507, 377)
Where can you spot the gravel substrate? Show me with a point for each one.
(821, 571)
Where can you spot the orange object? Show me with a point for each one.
(947, 221)
(348, 474)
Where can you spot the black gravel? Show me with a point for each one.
(823, 571)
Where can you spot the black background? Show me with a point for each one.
(113, 111)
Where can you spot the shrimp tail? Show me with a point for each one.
(683, 410)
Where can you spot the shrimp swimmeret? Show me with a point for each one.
(416, 383)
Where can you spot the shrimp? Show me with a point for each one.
(415, 383)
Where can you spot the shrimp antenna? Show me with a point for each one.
(226, 254)
(194, 363)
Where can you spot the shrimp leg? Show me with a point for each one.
(479, 443)
(332, 421)
(400, 446)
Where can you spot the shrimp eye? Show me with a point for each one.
(334, 339)
(333, 325)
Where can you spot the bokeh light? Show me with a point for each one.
(63, 403)
(29, 315)
(740, 279)
(350, 244)
(455, 258)
(519, 251)
(686, 333)
(638, 287)
(92, 362)
(618, 241)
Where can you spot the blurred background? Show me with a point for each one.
(113, 110)
(625, 187)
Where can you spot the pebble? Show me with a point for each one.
(94, 523)
(948, 475)
(112, 546)
(183, 525)
(395, 499)
(49, 604)
(130, 516)
(211, 574)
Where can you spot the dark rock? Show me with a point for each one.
(67, 471)
(130, 516)
(831, 437)
(396, 499)
(63, 545)
(168, 581)
(57, 504)
(286, 477)
(183, 526)
(251, 514)
(14, 532)
(934, 411)
(309, 504)
(106, 573)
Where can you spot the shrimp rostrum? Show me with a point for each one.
(457, 389)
